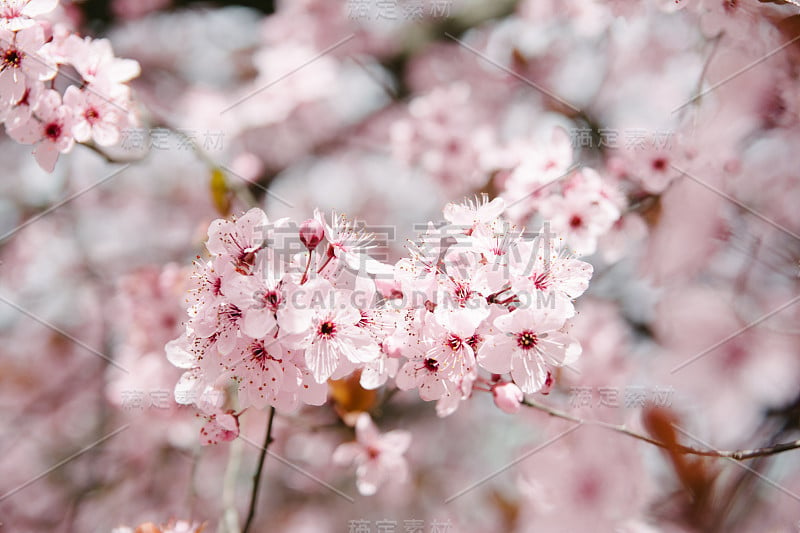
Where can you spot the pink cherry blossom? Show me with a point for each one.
(660, 140)
(96, 118)
(333, 335)
(583, 214)
(219, 427)
(264, 372)
(259, 296)
(542, 270)
(528, 341)
(20, 112)
(95, 61)
(50, 130)
(348, 242)
(238, 240)
(378, 457)
(20, 14)
(535, 168)
(474, 213)
(443, 136)
(21, 64)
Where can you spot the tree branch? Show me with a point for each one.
(738, 455)
(257, 476)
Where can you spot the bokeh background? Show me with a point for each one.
(675, 127)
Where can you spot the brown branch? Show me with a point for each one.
(257, 476)
(738, 455)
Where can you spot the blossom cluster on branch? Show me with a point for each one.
(279, 309)
(56, 87)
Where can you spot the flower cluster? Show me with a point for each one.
(579, 204)
(489, 297)
(443, 136)
(273, 317)
(279, 309)
(42, 101)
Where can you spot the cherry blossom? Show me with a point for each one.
(96, 118)
(49, 129)
(95, 61)
(20, 14)
(378, 457)
(332, 331)
(21, 111)
(22, 65)
(238, 240)
(583, 213)
(526, 344)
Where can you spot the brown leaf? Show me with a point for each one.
(220, 192)
(695, 473)
(350, 398)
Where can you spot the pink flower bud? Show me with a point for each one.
(508, 397)
(311, 233)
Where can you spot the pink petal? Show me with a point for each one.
(347, 453)
(46, 155)
(321, 360)
(105, 133)
(39, 7)
(495, 353)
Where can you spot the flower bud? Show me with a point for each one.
(508, 397)
(311, 233)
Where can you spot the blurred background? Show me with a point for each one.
(658, 137)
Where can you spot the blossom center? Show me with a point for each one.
(91, 115)
(540, 281)
(12, 58)
(10, 12)
(52, 131)
(576, 221)
(462, 293)
(231, 312)
(659, 164)
(270, 298)
(365, 320)
(259, 354)
(432, 365)
(327, 329)
(475, 341)
(527, 340)
(454, 342)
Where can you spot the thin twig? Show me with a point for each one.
(108, 157)
(257, 476)
(737, 455)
